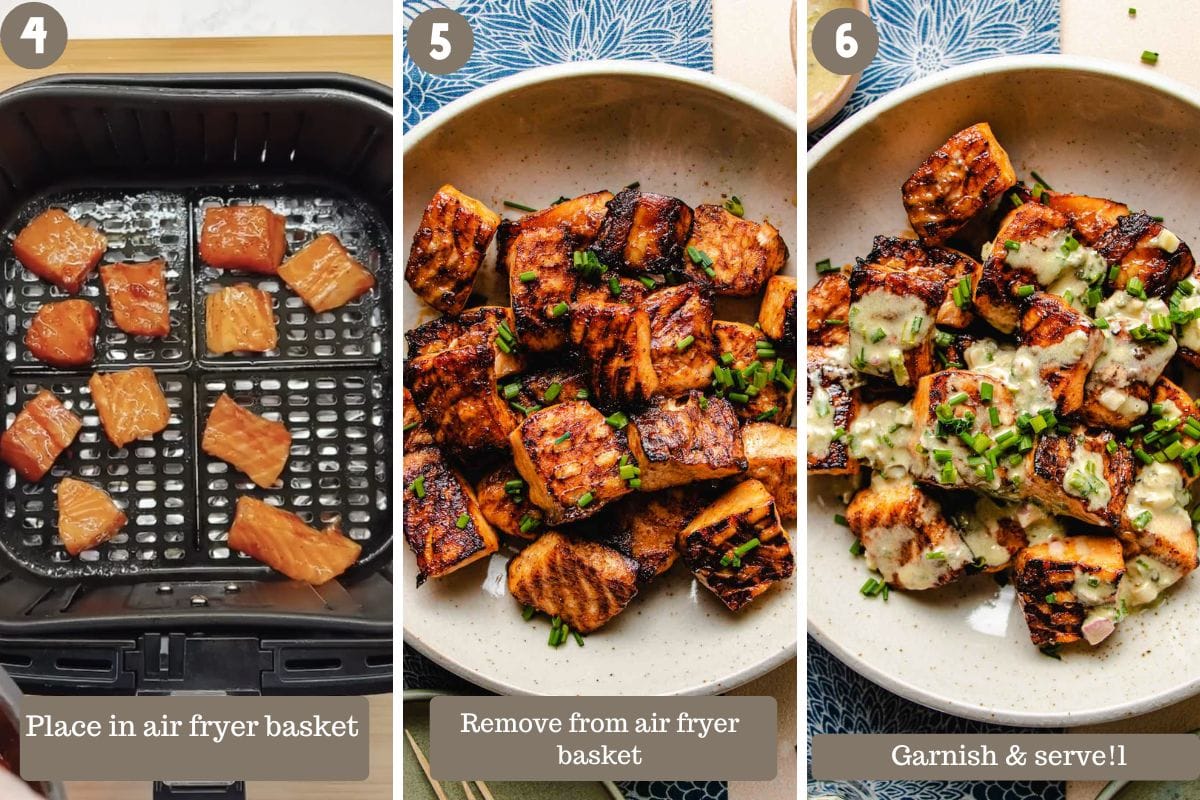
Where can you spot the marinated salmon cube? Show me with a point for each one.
(777, 314)
(502, 497)
(283, 542)
(250, 238)
(325, 275)
(87, 516)
(257, 446)
(38, 435)
(891, 320)
(542, 280)
(239, 318)
(682, 351)
(613, 341)
(1065, 345)
(612, 288)
(645, 527)
(548, 386)
(479, 325)
(833, 404)
(1144, 250)
(131, 404)
(771, 458)
(579, 218)
(416, 432)
(138, 296)
(685, 440)
(754, 375)
(60, 250)
(582, 582)
(1077, 474)
(955, 271)
(643, 233)
(448, 248)
(732, 256)
(736, 547)
(828, 308)
(443, 524)
(1058, 581)
(1091, 217)
(63, 334)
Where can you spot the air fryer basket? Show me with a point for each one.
(166, 606)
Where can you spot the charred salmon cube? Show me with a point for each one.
(60, 250)
(325, 275)
(685, 440)
(1063, 344)
(833, 404)
(736, 547)
(502, 499)
(63, 334)
(571, 456)
(681, 339)
(257, 446)
(548, 386)
(541, 284)
(891, 322)
(416, 433)
(1058, 581)
(250, 238)
(906, 536)
(1075, 474)
(754, 376)
(443, 524)
(645, 527)
(131, 404)
(580, 581)
(1156, 527)
(38, 435)
(87, 516)
(1091, 217)
(995, 530)
(611, 288)
(492, 325)
(1134, 354)
(732, 256)
(828, 308)
(457, 395)
(1145, 251)
(777, 314)
(579, 218)
(958, 180)
(771, 459)
(613, 341)
(448, 248)
(643, 233)
(955, 271)
(283, 542)
(239, 318)
(137, 294)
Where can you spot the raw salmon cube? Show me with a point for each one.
(63, 334)
(240, 318)
(87, 516)
(58, 249)
(325, 275)
(258, 447)
(138, 296)
(43, 429)
(130, 403)
(283, 542)
(243, 237)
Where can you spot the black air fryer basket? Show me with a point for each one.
(166, 606)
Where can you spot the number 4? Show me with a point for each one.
(438, 42)
(35, 29)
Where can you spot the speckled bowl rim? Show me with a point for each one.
(606, 69)
(1146, 80)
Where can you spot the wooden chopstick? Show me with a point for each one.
(467, 789)
(483, 789)
(437, 789)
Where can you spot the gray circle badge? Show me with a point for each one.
(440, 41)
(33, 35)
(844, 41)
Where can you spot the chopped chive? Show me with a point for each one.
(558, 310)
(1149, 57)
(511, 390)
(528, 523)
(685, 343)
(647, 282)
(585, 499)
(1111, 447)
(614, 286)
(739, 397)
(936, 555)
(582, 394)
(994, 416)
(856, 548)
(527, 613)
(746, 547)
(734, 206)
(527, 276)
(1009, 244)
(1142, 520)
(417, 487)
(1026, 290)
(518, 206)
(825, 265)
(526, 410)
(563, 438)
(1016, 201)
(629, 471)
(766, 415)
(410, 426)
(1132, 11)
(462, 521)
(635, 483)
(578, 638)
(1135, 288)
(617, 420)
(838, 519)
(1101, 323)
(726, 358)
(1040, 179)
(552, 392)
(503, 345)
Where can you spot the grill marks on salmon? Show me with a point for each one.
(283, 541)
(239, 318)
(138, 296)
(63, 334)
(250, 238)
(436, 498)
(38, 436)
(60, 250)
(131, 404)
(87, 516)
(325, 275)
(448, 249)
(257, 446)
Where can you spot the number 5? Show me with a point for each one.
(439, 43)
(847, 45)
(35, 29)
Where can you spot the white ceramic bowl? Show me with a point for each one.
(1086, 126)
(565, 131)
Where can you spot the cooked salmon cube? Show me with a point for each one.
(1144, 250)
(646, 526)
(956, 182)
(571, 457)
(1058, 581)
(580, 581)
(325, 275)
(684, 440)
(501, 494)
(580, 218)
(762, 393)
(1171, 404)
(1091, 217)
(955, 271)
(682, 351)
(1064, 344)
(137, 294)
(38, 435)
(996, 530)
(611, 288)
(443, 524)
(732, 256)
(448, 248)
(613, 341)
(479, 325)
(457, 395)
(63, 334)
(643, 233)
(257, 446)
(828, 309)
(777, 314)
(1156, 527)
(131, 404)
(736, 547)
(416, 432)
(1078, 475)
(771, 459)
(541, 283)
(283, 542)
(239, 318)
(833, 404)
(906, 536)
(891, 321)
(548, 386)
(60, 250)
(87, 516)
(1134, 354)
(250, 238)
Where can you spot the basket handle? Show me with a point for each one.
(199, 790)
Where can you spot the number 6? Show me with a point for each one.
(846, 45)
(439, 43)
(35, 28)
